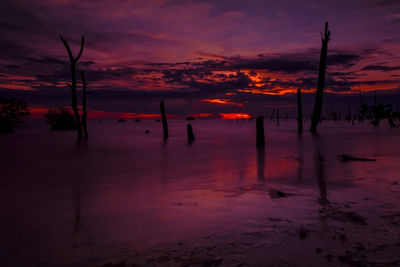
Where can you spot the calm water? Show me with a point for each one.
(126, 188)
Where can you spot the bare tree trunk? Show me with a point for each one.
(74, 104)
(316, 116)
(260, 131)
(164, 119)
(84, 112)
(376, 119)
(299, 113)
(277, 117)
(190, 133)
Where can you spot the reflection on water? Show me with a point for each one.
(319, 170)
(261, 163)
(77, 197)
(130, 187)
(300, 168)
(81, 235)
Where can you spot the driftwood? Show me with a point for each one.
(345, 158)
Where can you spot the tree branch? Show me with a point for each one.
(68, 49)
(80, 52)
(327, 33)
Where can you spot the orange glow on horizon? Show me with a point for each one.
(17, 86)
(201, 115)
(96, 114)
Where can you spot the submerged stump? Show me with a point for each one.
(190, 133)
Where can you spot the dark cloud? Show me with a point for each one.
(11, 66)
(280, 64)
(342, 59)
(381, 68)
(181, 75)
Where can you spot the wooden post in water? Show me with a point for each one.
(190, 133)
(316, 116)
(299, 113)
(260, 131)
(164, 119)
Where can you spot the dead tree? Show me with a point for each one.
(348, 117)
(316, 116)
(164, 119)
(190, 133)
(376, 119)
(277, 117)
(73, 60)
(260, 131)
(84, 112)
(299, 113)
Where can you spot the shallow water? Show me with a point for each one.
(125, 188)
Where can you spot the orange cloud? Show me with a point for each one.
(219, 101)
(233, 116)
(16, 86)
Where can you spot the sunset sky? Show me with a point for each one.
(206, 57)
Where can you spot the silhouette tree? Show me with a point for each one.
(61, 119)
(12, 112)
(73, 60)
(316, 116)
(84, 112)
